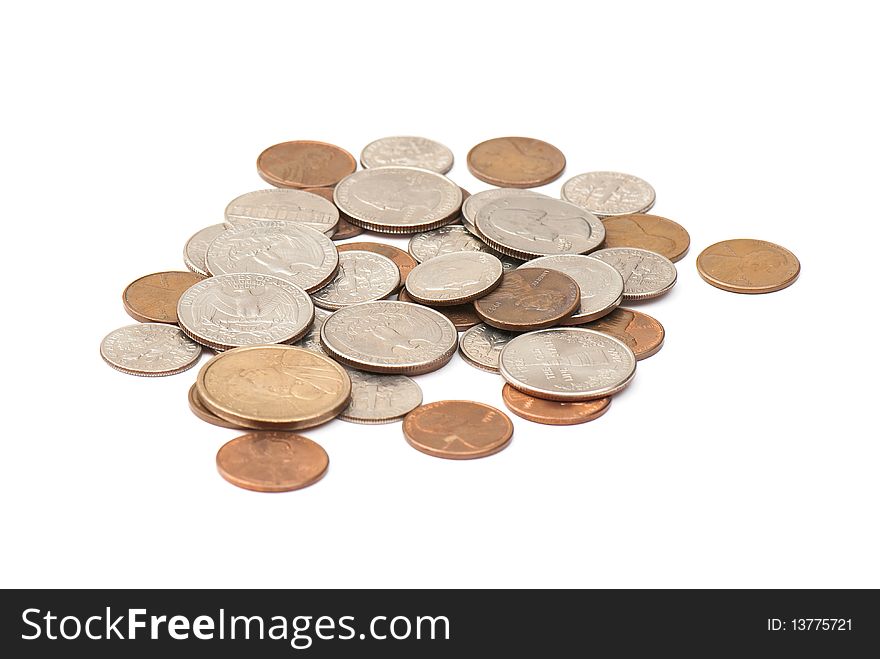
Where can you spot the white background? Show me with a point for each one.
(744, 453)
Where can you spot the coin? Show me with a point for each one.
(150, 349)
(454, 279)
(475, 202)
(600, 284)
(553, 412)
(609, 193)
(196, 248)
(272, 461)
(198, 408)
(272, 387)
(227, 311)
(280, 207)
(297, 254)
(404, 262)
(529, 299)
(516, 162)
(311, 340)
(380, 398)
(153, 298)
(481, 346)
(462, 316)
(640, 332)
(344, 229)
(748, 266)
(398, 199)
(445, 240)
(567, 363)
(646, 275)
(457, 429)
(390, 337)
(408, 152)
(464, 195)
(304, 164)
(651, 232)
(362, 276)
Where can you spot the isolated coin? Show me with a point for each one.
(454, 279)
(153, 298)
(516, 162)
(553, 412)
(567, 363)
(408, 152)
(280, 207)
(150, 349)
(196, 248)
(609, 193)
(481, 346)
(362, 276)
(304, 164)
(645, 274)
(404, 262)
(198, 408)
(445, 240)
(457, 429)
(344, 229)
(311, 340)
(748, 266)
(651, 232)
(475, 202)
(380, 398)
(390, 337)
(462, 316)
(529, 299)
(640, 332)
(272, 461)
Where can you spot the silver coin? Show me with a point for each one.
(150, 349)
(398, 199)
(645, 274)
(601, 285)
(530, 226)
(390, 337)
(454, 278)
(196, 248)
(567, 363)
(380, 398)
(472, 205)
(302, 256)
(228, 311)
(609, 193)
(311, 340)
(362, 276)
(407, 152)
(445, 240)
(282, 205)
(481, 346)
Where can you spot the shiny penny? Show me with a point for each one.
(198, 408)
(748, 266)
(516, 162)
(404, 262)
(344, 229)
(552, 412)
(640, 332)
(651, 232)
(457, 429)
(529, 299)
(305, 164)
(462, 316)
(153, 298)
(272, 461)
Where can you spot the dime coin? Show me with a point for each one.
(297, 254)
(529, 299)
(274, 387)
(304, 164)
(454, 279)
(390, 337)
(404, 262)
(474, 203)
(529, 226)
(150, 349)
(272, 461)
(748, 266)
(640, 332)
(312, 339)
(516, 162)
(198, 408)
(196, 248)
(481, 346)
(362, 276)
(609, 193)
(408, 152)
(462, 316)
(651, 232)
(380, 398)
(280, 208)
(227, 311)
(153, 298)
(344, 229)
(457, 429)
(398, 199)
(601, 285)
(645, 274)
(567, 363)
(553, 412)
(445, 240)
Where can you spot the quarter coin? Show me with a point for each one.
(552, 412)
(344, 229)
(304, 164)
(198, 408)
(280, 208)
(196, 248)
(272, 461)
(472, 204)
(600, 284)
(516, 162)
(404, 262)
(362, 276)
(408, 152)
(651, 232)
(640, 332)
(457, 429)
(462, 316)
(445, 240)
(609, 193)
(153, 298)
(748, 266)
(481, 346)
(454, 278)
(380, 398)
(529, 299)
(150, 349)
(646, 275)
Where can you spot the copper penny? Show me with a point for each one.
(305, 164)
(551, 412)
(640, 332)
(530, 299)
(748, 266)
(651, 232)
(153, 298)
(344, 229)
(516, 162)
(457, 429)
(198, 408)
(462, 316)
(404, 262)
(272, 461)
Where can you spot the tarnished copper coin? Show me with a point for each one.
(516, 162)
(153, 298)
(651, 232)
(272, 461)
(198, 408)
(529, 299)
(457, 429)
(640, 332)
(462, 316)
(551, 412)
(344, 229)
(404, 262)
(748, 266)
(305, 164)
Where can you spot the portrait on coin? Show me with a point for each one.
(286, 381)
(554, 232)
(277, 253)
(400, 196)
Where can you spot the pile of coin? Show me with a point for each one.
(306, 330)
